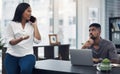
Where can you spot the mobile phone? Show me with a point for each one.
(32, 19)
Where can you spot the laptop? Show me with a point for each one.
(81, 57)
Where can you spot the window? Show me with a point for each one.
(67, 22)
(42, 10)
(8, 9)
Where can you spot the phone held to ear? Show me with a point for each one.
(32, 19)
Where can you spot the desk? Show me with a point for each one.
(65, 67)
(63, 51)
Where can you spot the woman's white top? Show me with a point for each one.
(14, 30)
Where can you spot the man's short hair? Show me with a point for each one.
(95, 25)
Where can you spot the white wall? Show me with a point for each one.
(83, 21)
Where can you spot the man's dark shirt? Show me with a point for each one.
(106, 50)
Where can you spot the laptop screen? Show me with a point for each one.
(81, 57)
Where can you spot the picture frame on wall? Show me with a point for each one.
(93, 15)
(53, 39)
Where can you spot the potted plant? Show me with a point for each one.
(105, 65)
(1, 43)
(1, 52)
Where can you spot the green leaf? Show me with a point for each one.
(1, 43)
(106, 61)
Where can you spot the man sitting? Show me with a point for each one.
(101, 48)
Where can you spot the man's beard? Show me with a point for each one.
(92, 37)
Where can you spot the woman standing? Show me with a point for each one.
(21, 33)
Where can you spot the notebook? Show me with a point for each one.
(81, 57)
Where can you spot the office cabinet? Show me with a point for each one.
(114, 30)
(63, 51)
